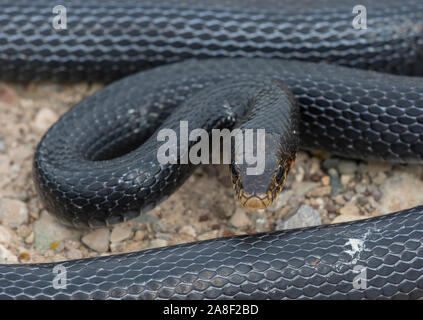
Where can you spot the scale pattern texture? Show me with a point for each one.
(345, 111)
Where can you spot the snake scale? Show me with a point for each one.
(96, 166)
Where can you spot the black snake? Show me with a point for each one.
(97, 165)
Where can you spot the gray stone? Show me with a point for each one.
(48, 230)
(335, 182)
(347, 167)
(146, 217)
(305, 216)
(330, 163)
(3, 147)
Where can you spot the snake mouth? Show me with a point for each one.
(255, 201)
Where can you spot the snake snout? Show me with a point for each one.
(258, 191)
(257, 201)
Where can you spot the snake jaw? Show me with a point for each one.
(256, 201)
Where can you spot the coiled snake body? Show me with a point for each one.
(97, 165)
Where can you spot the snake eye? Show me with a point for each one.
(280, 174)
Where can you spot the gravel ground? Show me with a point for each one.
(320, 189)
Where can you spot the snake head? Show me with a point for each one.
(258, 191)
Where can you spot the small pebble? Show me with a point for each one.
(140, 235)
(380, 178)
(157, 243)
(362, 201)
(73, 254)
(240, 219)
(345, 179)
(299, 175)
(402, 190)
(6, 256)
(374, 167)
(13, 212)
(347, 167)
(281, 200)
(207, 235)
(315, 166)
(203, 218)
(3, 147)
(72, 244)
(350, 208)
(45, 118)
(134, 246)
(120, 232)
(188, 231)
(301, 188)
(325, 180)
(330, 208)
(23, 231)
(4, 235)
(360, 188)
(306, 216)
(24, 256)
(346, 217)
(4, 164)
(376, 194)
(97, 240)
(319, 192)
(348, 195)
(57, 246)
(262, 225)
(117, 246)
(30, 238)
(330, 163)
(48, 230)
(21, 153)
(146, 217)
(335, 183)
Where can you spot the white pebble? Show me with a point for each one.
(7, 256)
(188, 231)
(240, 219)
(4, 235)
(45, 118)
(157, 243)
(120, 233)
(13, 212)
(97, 240)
